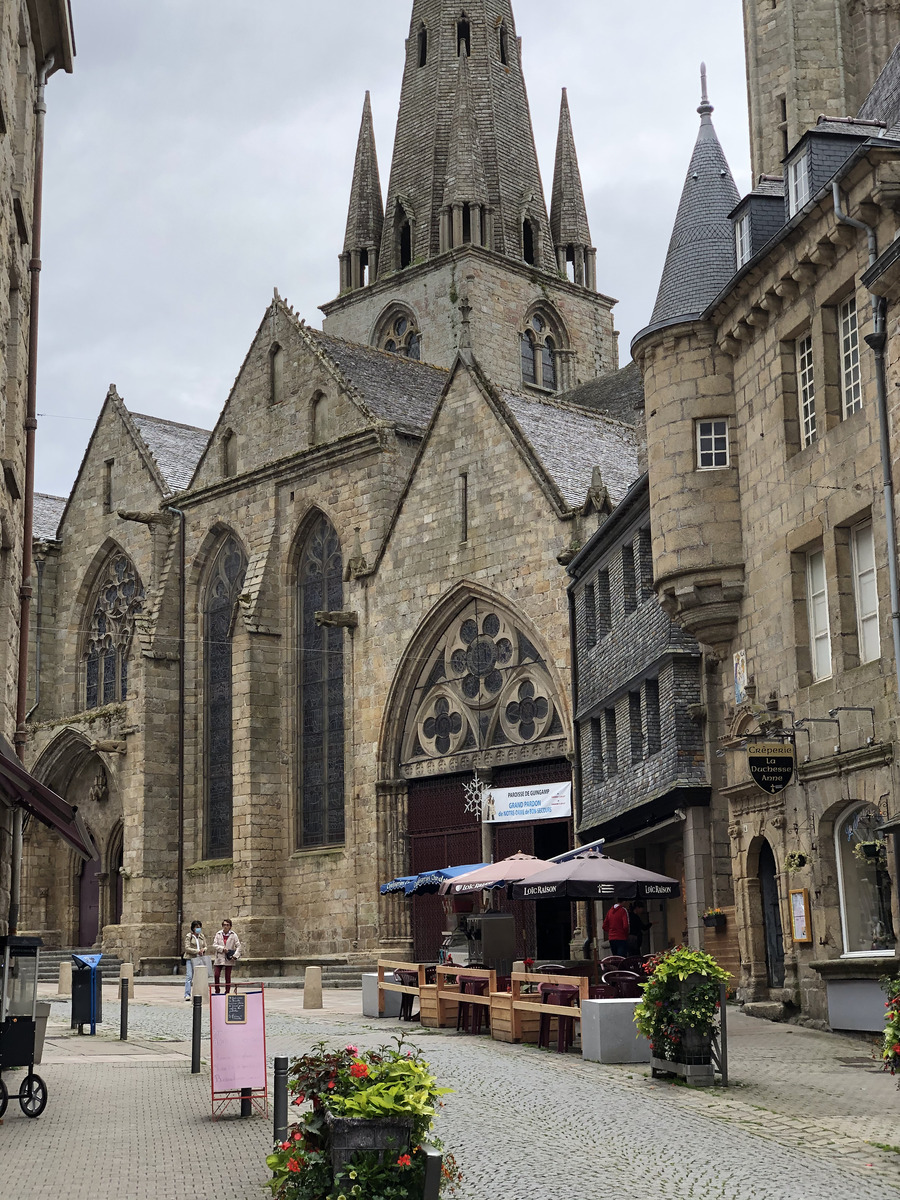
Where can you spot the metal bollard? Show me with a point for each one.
(280, 1099)
(123, 1010)
(195, 1035)
(433, 1163)
(246, 1102)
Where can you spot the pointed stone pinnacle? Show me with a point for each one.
(706, 109)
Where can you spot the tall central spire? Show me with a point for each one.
(464, 120)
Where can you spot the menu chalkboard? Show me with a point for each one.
(236, 1010)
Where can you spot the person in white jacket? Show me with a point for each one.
(228, 949)
(194, 949)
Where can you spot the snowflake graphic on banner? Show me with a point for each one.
(476, 795)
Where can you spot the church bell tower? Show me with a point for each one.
(463, 253)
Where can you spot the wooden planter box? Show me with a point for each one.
(428, 1008)
(502, 1024)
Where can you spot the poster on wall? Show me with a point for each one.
(800, 930)
(740, 677)
(237, 1043)
(534, 802)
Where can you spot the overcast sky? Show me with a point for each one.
(201, 154)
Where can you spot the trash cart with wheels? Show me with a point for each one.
(18, 1021)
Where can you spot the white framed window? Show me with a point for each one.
(851, 384)
(864, 884)
(742, 239)
(865, 592)
(806, 389)
(817, 612)
(712, 444)
(798, 182)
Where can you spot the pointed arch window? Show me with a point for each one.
(463, 37)
(320, 659)
(225, 584)
(504, 44)
(423, 46)
(539, 348)
(119, 597)
(528, 252)
(276, 374)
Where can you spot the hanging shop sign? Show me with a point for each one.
(771, 765)
(536, 802)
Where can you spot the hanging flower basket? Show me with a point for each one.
(870, 852)
(714, 919)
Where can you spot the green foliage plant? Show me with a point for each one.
(668, 1008)
(392, 1082)
(890, 1047)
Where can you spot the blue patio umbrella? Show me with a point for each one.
(425, 881)
(396, 885)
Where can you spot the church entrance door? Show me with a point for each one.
(89, 904)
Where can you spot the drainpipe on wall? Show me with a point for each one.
(34, 270)
(39, 564)
(179, 897)
(877, 342)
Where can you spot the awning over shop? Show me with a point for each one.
(20, 789)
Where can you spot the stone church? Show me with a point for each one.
(268, 657)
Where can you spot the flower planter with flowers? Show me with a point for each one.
(890, 1051)
(714, 918)
(363, 1136)
(680, 1014)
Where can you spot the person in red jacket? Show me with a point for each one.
(617, 927)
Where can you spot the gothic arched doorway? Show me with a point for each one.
(768, 888)
(89, 903)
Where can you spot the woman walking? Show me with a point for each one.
(228, 950)
(194, 949)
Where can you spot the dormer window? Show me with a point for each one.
(463, 37)
(798, 179)
(742, 239)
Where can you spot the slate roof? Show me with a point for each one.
(394, 388)
(883, 101)
(176, 448)
(570, 441)
(48, 511)
(365, 218)
(701, 254)
(618, 394)
(568, 213)
(769, 185)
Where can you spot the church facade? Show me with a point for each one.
(271, 655)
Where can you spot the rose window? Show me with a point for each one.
(480, 656)
(403, 338)
(526, 709)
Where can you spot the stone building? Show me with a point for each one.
(35, 41)
(272, 654)
(772, 542)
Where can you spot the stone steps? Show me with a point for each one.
(48, 969)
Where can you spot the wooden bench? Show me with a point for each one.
(389, 985)
(447, 996)
(528, 1005)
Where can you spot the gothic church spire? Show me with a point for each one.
(701, 255)
(365, 219)
(443, 137)
(465, 191)
(568, 212)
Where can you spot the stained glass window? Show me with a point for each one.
(222, 594)
(120, 597)
(321, 690)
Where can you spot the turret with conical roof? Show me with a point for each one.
(701, 255)
(365, 219)
(568, 212)
(698, 553)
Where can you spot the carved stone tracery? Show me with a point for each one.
(484, 687)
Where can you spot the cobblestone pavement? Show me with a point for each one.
(130, 1121)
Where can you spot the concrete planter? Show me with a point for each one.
(608, 1032)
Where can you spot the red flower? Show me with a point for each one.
(529, 962)
(331, 1085)
(354, 1050)
(293, 1165)
(358, 1071)
(298, 1137)
(896, 1048)
(299, 1099)
(404, 1160)
(284, 1145)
